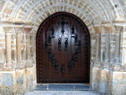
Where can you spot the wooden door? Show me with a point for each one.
(63, 50)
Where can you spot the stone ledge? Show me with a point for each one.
(63, 87)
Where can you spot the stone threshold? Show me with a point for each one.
(63, 87)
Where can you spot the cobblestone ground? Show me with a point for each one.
(61, 93)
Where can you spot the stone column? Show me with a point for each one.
(28, 43)
(28, 46)
(107, 48)
(102, 47)
(8, 48)
(34, 49)
(13, 51)
(32, 46)
(117, 52)
(18, 44)
(112, 47)
(2, 48)
(98, 47)
(24, 46)
(123, 46)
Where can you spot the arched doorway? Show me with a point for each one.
(63, 50)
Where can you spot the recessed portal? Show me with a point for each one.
(63, 50)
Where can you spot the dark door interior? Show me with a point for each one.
(63, 50)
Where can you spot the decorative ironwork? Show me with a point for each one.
(62, 25)
(79, 46)
(49, 39)
(53, 32)
(76, 38)
(59, 44)
(63, 69)
(66, 44)
(50, 54)
(79, 43)
(56, 67)
(46, 45)
(74, 58)
(52, 59)
(62, 49)
(70, 67)
(73, 31)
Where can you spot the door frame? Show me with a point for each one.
(40, 28)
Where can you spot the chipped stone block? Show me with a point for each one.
(118, 83)
(6, 83)
(95, 78)
(29, 78)
(6, 90)
(104, 81)
(20, 81)
(6, 79)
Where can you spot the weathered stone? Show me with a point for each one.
(21, 18)
(104, 81)
(6, 83)
(6, 90)
(95, 78)
(118, 80)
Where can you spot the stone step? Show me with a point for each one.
(61, 93)
(63, 87)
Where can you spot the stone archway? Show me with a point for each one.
(20, 20)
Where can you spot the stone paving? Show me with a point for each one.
(63, 87)
(61, 93)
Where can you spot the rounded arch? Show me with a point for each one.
(99, 11)
(43, 15)
(64, 13)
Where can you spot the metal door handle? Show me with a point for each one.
(66, 44)
(59, 44)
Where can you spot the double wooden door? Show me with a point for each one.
(63, 50)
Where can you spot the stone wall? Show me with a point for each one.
(18, 63)
(109, 68)
(17, 42)
(17, 60)
(17, 82)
